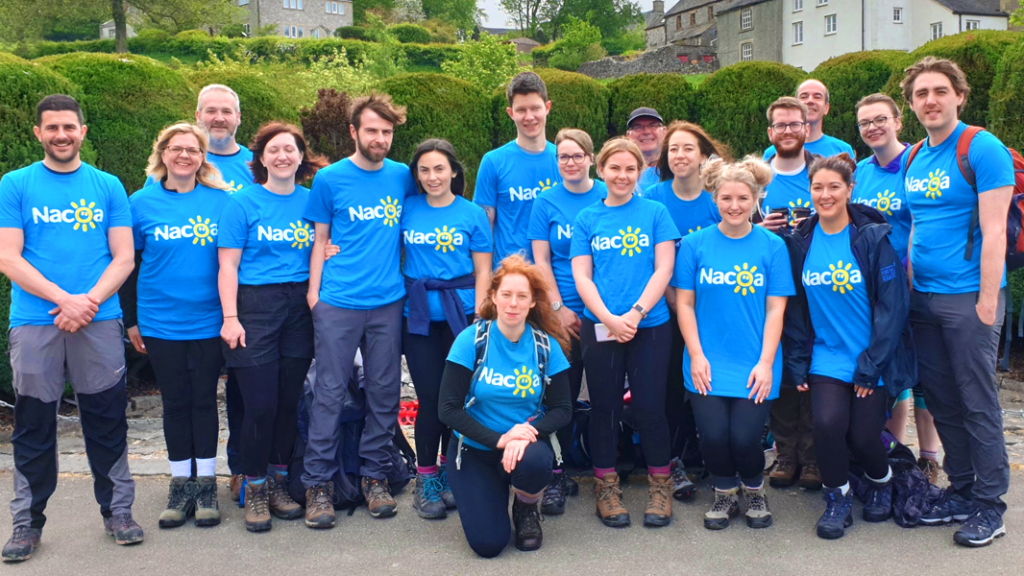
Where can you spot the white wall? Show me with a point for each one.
(927, 12)
(881, 33)
(817, 47)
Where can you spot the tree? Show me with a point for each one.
(526, 14)
(462, 14)
(611, 17)
(488, 63)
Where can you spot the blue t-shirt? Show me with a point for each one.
(941, 203)
(825, 146)
(364, 209)
(788, 191)
(621, 240)
(275, 241)
(64, 218)
(509, 179)
(881, 187)
(234, 168)
(837, 299)
(689, 216)
(177, 233)
(508, 390)
(438, 243)
(554, 213)
(649, 177)
(732, 277)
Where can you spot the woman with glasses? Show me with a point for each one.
(550, 231)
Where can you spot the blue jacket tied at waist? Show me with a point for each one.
(419, 307)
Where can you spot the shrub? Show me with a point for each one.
(431, 54)
(150, 40)
(233, 31)
(410, 33)
(732, 102)
(628, 41)
(670, 94)
(325, 125)
(486, 63)
(442, 107)
(194, 42)
(1006, 99)
(351, 32)
(41, 49)
(580, 43)
(441, 32)
(128, 100)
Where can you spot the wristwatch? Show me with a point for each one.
(556, 306)
(640, 309)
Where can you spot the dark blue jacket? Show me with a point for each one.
(890, 353)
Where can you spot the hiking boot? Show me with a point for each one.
(984, 526)
(878, 501)
(124, 529)
(257, 506)
(426, 497)
(446, 490)
(281, 503)
(554, 496)
(526, 519)
(783, 474)
(181, 503)
(930, 468)
(659, 500)
(810, 477)
(756, 503)
(236, 488)
(320, 506)
(682, 487)
(838, 514)
(22, 544)
(950, 507)
(609, 501)
(570, 486)
(207, 507)
(726, 506)
(378, 498)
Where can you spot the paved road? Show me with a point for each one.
(576, 543)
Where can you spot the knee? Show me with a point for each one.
(489, 545)
(533, 472)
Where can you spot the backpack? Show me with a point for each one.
(1015, 215)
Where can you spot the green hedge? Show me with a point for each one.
(260, 102)
(1006, 99)
(128, 100)
(351, 32)
(442, 107)
(671, 95)
(410, 33)
(578, 101)
(732, 102)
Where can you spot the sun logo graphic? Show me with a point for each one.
(841, 277)
(545, 184)
(934, 184)
(630, 240)
(887, 202)
(301, 234)
(232, 188)
(524, 382)
(201, 233)
(744, 279)
(800, 203)
(444, 239)
(84, 215)
(692, 230)
(391, 212)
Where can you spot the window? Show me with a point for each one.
(711, 13)
(316, 33)
(291, 4)
(679, 21)
(693, 18)
(243, 2)
(936, 30)
(327, 7)
(300, 4)
(830, 24)
(747, 51)
(822, 2)
(284, 3)
(709, 58)
(798, 5)
(246, 28)
(300, 32)
(287, 30)
(746, 19)
(973, 24)
(897, 15)
(334, 8)
(341, 8)
(798, 33)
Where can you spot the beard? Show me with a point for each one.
(373, 154)
(64, 158)
(791, 150)
(219, 143)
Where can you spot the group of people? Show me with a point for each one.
(801, 289)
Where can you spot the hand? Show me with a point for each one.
(312, 299)
(330, 250)
(760, 381)
(700, 372)
(78, 308)
(621, 328)
(986, 312)
(863, 392)
(775, 221)
(232, 333)
(136, 338)
(514, 451)
(803, 387)
(524, 431)
(68, 325)
(570, 321)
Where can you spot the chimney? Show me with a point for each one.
(659, 7)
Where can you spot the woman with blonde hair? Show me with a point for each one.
(732, 281)
(174, 221)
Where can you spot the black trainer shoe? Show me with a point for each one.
(950, 507)
(527, 522)
(22, 544)
(124, 529)
(571, 487)
(553, 503)
(878, 502)
(838, 514)
(980, 529)
(682, 487)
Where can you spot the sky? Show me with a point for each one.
(496, 17)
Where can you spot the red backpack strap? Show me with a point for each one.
(963, 161)
(911, 155)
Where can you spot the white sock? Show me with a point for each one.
(181, 468)
(845, 489)
(888, 475)
(206, 466)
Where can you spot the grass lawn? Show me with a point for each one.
(187, 60)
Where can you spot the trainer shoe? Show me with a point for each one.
(426, 497)
(755, 501)
(682, 487)
(659, 501)
(22, 544)
(236, 488)
(810, 477)
(950, 507)
(446, 490)
(378, 497)
(726, 506)
(609, 501)
(124, 529)
(257, 507)
(207, 507)
(526, 519)
(783, 474)
(553, 503)
(984, 526)
(181, 503)
(281, 503)
(930, 468)
(838, 514)
(571, 487)
(320, 506)
(878, 501)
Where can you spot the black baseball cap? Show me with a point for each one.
(643, 113)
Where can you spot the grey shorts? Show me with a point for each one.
(44, 358)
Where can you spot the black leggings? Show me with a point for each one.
(730, 438)
(645, 360)
(187, 372)
(480, 486)
(426, 356)
(564, 433)
(845, 425)
(271, 394)
(682, 428)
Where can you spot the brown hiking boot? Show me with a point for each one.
(659, 500)
(609, 501)
(320, 506)
(783, 474)
(810, 477)
(930, 468)
(281, 503)
(257, 507)
(378, 498)
(236, 488)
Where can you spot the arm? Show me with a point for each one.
(482, 273)
(129, 297)
(664, 263)
(761, 376)
(910, 266)
(322, 233)
(451, 406)
(889, 313)
(700, 370)
(227, 284)
(491, 214)
(992, 207)
(542, 259)
(122, 249)
(559, 405)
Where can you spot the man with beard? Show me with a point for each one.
(66, 244)
(646, 128)
(814, 96)
(357, 296)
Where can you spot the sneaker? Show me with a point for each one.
(783, 474)
(320, 506)
(554, 496)
(257, 506)
(756, 503)
(207, 507)
(22, 544)
(378, 498)
(659, 501)
(950, 507)
(426, 497)
(281, 503)
(526, 518)
(810, 477)
(236, 488)
(984, 526)
(930, 468)
(570, 486)
(726, 506)
(124, 529)
(878, 502)
(609, 501)
(838, 514)
(446, 490)
(682, 487)
(181, 503)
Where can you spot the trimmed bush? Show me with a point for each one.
(128, 100)
(410, 33)
(732, 102)
(260, 102)
(442, 107)
(351, 32)
(431, 54)
(578, 101)
(1006, 101)
(149, 40)
(670, 94)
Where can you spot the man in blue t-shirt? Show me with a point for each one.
(66, 245)
(357, 297)
(957, 265)
(646, 128)
(814, 95)
(512, 176)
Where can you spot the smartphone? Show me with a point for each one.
(801, 213)
(602, 334)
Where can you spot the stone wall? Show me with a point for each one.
(665, 59)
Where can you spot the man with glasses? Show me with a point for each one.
(646, 128)
(814, 96)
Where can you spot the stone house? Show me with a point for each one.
(688, 22)
(749, 30)
(107, 31)
(298, 18)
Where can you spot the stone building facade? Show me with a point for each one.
(670, 59)
(299, 18)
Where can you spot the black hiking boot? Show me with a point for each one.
(527, 521)
(22, 544)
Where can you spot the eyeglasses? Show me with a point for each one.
(878, 122)
(576, 158)
(642, 127)
(793, 127)
(177, 150)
